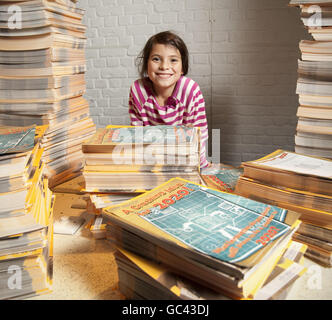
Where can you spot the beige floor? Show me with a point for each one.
(84, 268)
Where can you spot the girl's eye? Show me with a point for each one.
(155, 59)
(174, 60)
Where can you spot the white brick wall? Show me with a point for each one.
(243, 54)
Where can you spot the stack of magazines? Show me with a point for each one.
(314, 84)
(182, 240)
(42, 65)
(128, 159)
(221, 176)
(26, 207)
(123, 161)
(300, 183)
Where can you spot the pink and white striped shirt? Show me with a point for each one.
(186, 106)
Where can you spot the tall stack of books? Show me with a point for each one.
(183, 240)
(300, 183)
(26, 210)
(314, 85)
(42, 65)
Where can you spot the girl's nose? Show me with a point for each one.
(163, 65)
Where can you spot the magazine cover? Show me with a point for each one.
(222, 225)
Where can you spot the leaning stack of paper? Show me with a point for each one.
(42, 66)
(26, 206)
(300, 183)
(140, 278)
(219, 240)
(140, 158)
(314, 84)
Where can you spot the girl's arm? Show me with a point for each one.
(198, 119)
(134, 113)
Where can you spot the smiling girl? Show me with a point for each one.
(164, 95)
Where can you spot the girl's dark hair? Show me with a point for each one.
(167, 38)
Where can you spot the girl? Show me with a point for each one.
(163, 94)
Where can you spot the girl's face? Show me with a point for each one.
(164, 67)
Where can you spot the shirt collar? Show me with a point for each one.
(172, 101)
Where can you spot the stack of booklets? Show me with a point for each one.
(140, 278)
(314, 84)
(221, 176)
(128, 159)
(42, 65)
(122, 162)
(300, 183)
(222, 242)
(26, 210)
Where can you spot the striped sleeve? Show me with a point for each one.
(134, 108)
(198, 119)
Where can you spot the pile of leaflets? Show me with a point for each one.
(124, 161)
(314, 84)
(26, 210)
(129, 158)
(42, 66)
(181, 238)
(300, 183)
(221, 177)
